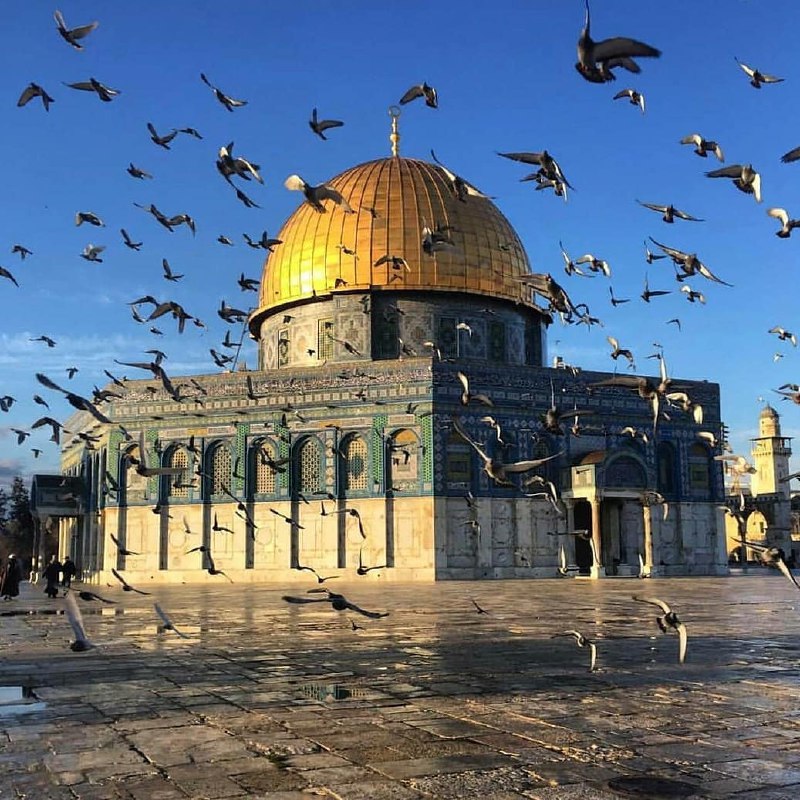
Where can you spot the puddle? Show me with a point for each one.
(329, 692)
(651, 787)
(19, 700)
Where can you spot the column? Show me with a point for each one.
(647, 520)
(569, 541)
(597, 568)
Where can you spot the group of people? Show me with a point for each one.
(54, 573)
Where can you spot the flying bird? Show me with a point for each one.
(744, 177)
(316, 194)
(319, 126)
(92, 252)
(467, 397)
(135, 172)
(161, 141)
(73, 36)
(121, 549)
(702, 147)
(105, 93)
(669, 213)
(597, 59)
(421, 90)
(756, 77)
(635, 98)
(23, 251)
(669, 619)
(88, 217)
(787, 225)
(81, 643)
(129, 242)
(229, 102)
(460, 188)
(338, 602)
(495, 469)
(784, 335)
(167, 622)
(34, 90)
(582, 641)
(228, 165)
(648, 292)
(617, 351)
(126, 587)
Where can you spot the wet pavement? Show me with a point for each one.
(267, 699)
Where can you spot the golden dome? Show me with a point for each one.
(393, 199)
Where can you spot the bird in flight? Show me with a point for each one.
(81, 643)
(787, 225)
(319, 126)
(596, 60)
(635, 98)
(669, 212)
(757, 77)
(167, 622)
(34, 90)
(338, 601)
(126, 587)
(582, 641)
(421, 90)
(702, 147)
(744, 177)
(229, 102)
(121, 549)
(669, 619)
(105, 93)
(316, 194)
(72, 36)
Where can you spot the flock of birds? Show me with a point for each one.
(598, 61)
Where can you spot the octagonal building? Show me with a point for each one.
(348, 449)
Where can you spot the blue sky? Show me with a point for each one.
(506, 81)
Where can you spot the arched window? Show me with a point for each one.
(308, 477)
(178, 485)
(403, 456)
(219, 470)
(132, 485)
(666, 469)
(699, 469)
(263, 474)
(458, 470)
(355, 474)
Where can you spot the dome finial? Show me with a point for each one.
(394, 137)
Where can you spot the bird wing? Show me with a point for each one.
(324, 192)
(295, 183)
(620, 46)
(303, 600)
(683, 642)
(733, 171)
(75, 619)
(653, 206)
(466, 437)
(161, 613)
(364, 612)
(119, 577)
(654, 601)
(627, 381)
(782, 566)
(412, 94)
(792, 155)
(780, 214)
(749, 71)
(683, 215)
(525, 158)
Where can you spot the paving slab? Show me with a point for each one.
(267, 701)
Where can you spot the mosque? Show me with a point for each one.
(340, 452)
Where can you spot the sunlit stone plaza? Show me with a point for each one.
(270, 699)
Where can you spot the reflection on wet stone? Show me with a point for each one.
(445, 704)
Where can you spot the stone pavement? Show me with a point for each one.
(271, 700)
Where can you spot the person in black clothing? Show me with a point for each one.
(52, 573)
(68, 570)
(10, 576)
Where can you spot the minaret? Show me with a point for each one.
(770, 453)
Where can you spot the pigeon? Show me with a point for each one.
(126, 587)
(669, 212)
(669, 619)
(34, 90)
(319, 126)
(316, 194)
(161, 141)
(421, 90)
(105, 93)
(756, 77)
(81, 643)
(168, 624)
(597, 59)
(72, 36)
(787, 225)
(702, 147)
(338, 601)
(129, 242)
(635, 98)
(582, 641)
(229, 102)
(135, 172)
(745, 178)
(121, 549)
(4, 273)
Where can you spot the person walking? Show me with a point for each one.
(52, 573)
(10, 576)
(68, 570)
